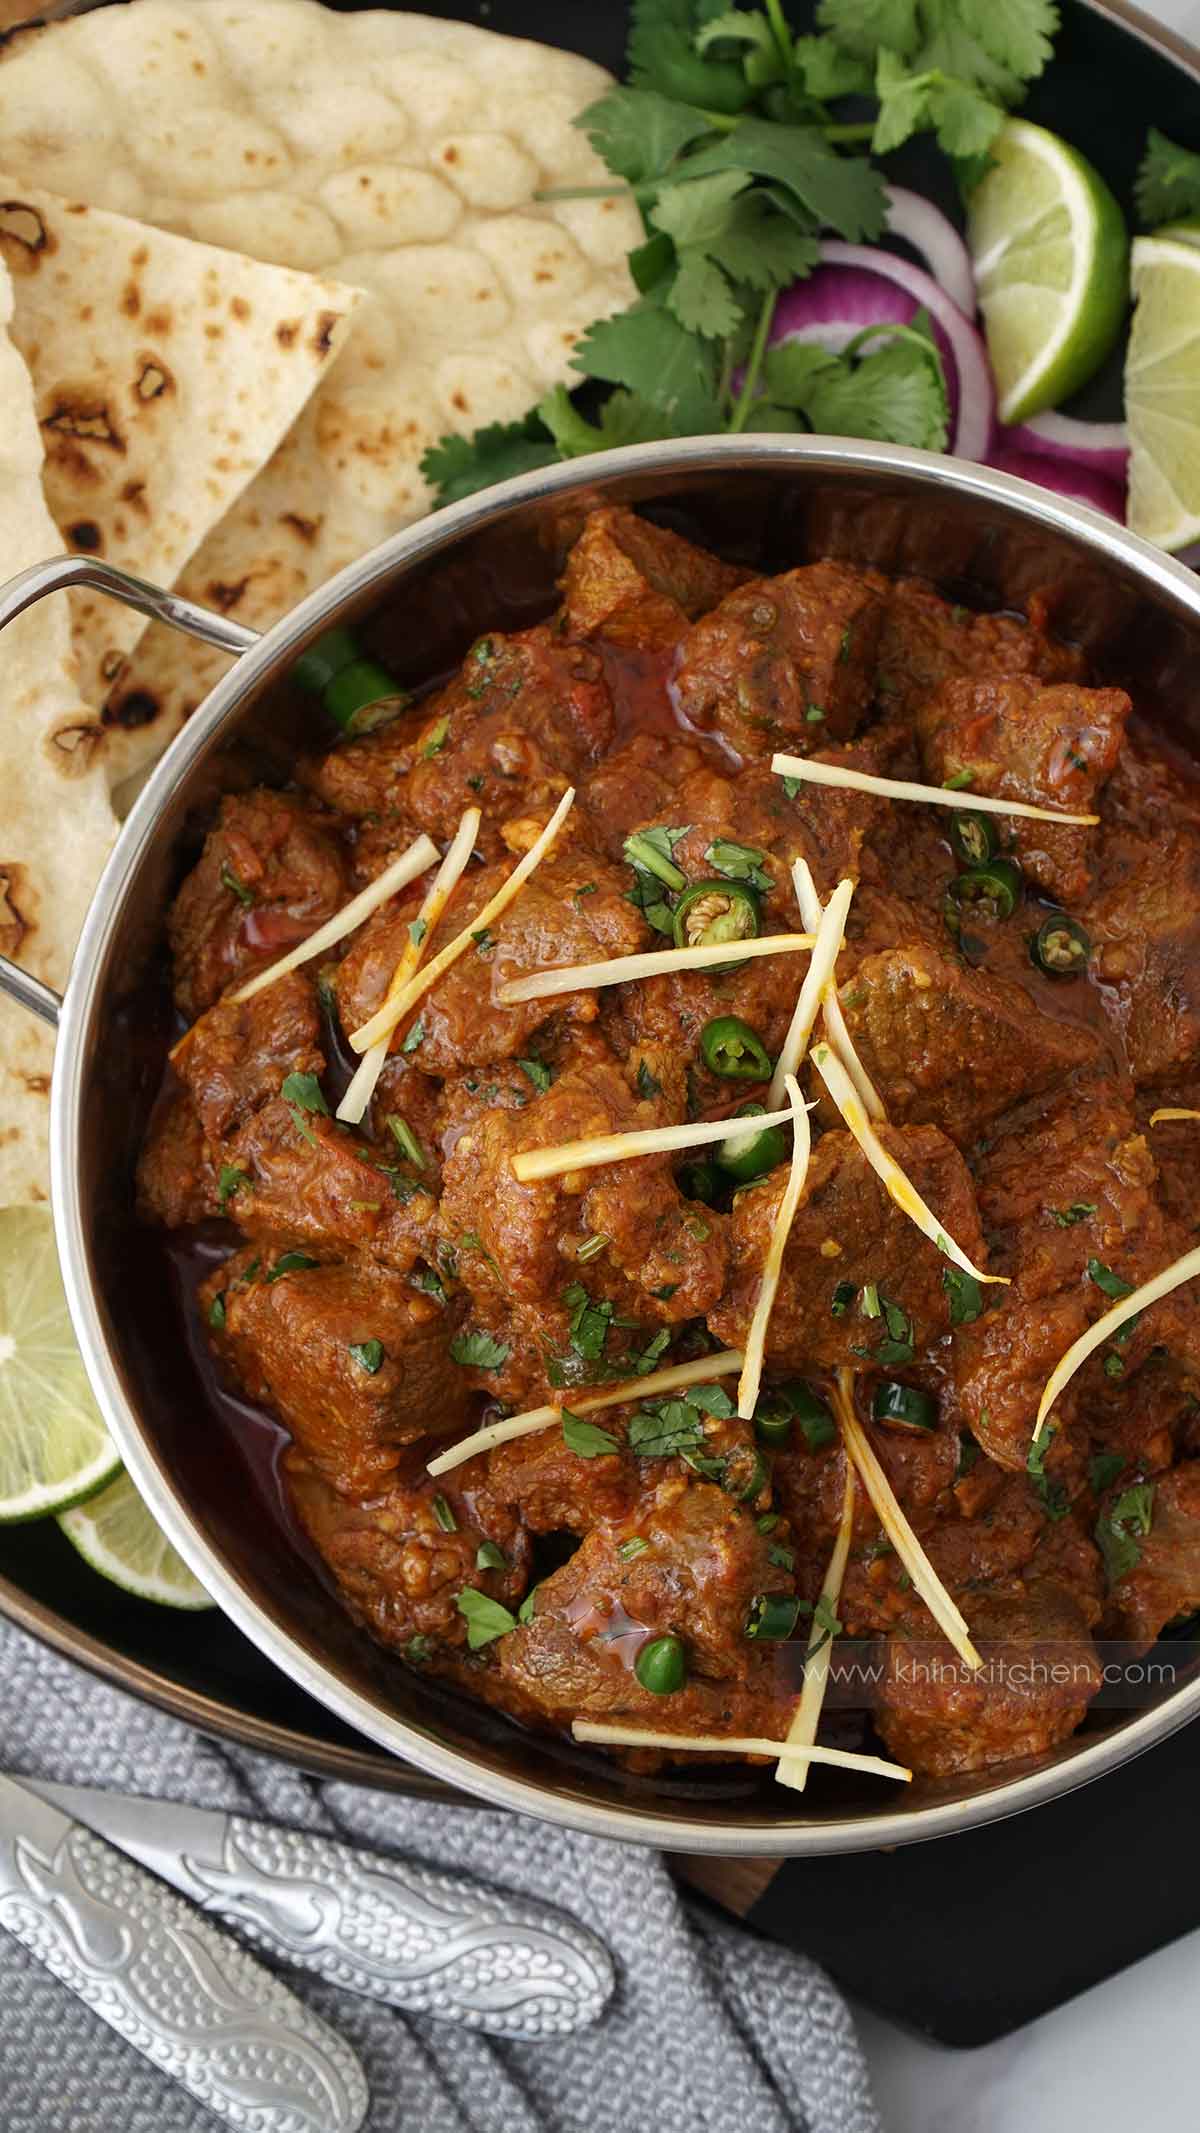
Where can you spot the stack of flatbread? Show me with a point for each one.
(254, 258)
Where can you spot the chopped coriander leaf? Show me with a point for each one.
(230, 1179)
(1120, 1528)
(290, 1263)
(418, 1650)
(304, 1090)
(1103, 1469)
(782, 1558)
(667, 1291)
(1035, 1458)
(843, 1297)
(525, 1611)
(426, 1278)
(589, 1322)
(647, 896)
(793, 786)
(1078, 1211)
(229, 880)
(417, 931)
(1106, 1281)
(368, 1355)
(869, 1301)
(965, 1294)
(489, 1557)
(645, 1362)
(586, 888)
(438, 735)
(739, 862)
(406, 1140)
(484, 941)
(479, 1351)
(216, 1311)
(959, 782)
(1113, 1367)
(651, 849)
(665, 1429)
(815, 714)
(647, 1086)
(486, 1619)
(415, 1036)
(538, 1073)
(586, 1438)
(444, 1515)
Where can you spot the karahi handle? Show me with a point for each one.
(62, 572)
(59, 574)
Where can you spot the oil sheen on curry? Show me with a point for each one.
(767, 1410)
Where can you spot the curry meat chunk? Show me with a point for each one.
(1145, 923)
(1017, 739)
(525, 717)
(1155, 1552)
(637, 585)
(1040, 1673)
(697, 1577)
(953, 1047)
(574, 910)
(787, 662)
(354, 1361)
(402, 1556)
(270, 873)
(305, 1178)
(849, 1228)
(926, 641)
(1068, 1195)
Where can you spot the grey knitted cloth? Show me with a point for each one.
(711, 2027)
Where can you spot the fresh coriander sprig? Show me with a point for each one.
(731, 138)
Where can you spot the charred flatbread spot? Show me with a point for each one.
(158, 324)
(84, 418)
(85, 534)
(13, 924)
(112, 664)
(286, 332)
(37, 1084)
(73, 747)
(134, 493)
(307, 528)
(226, 596)
(239, 307)
(323, 337)
(24, 235)
(152, 380)
(139, 708)
(131, 300)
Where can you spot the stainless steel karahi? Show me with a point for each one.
(430, 590)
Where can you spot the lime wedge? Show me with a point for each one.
(1162, 392)
(115, 1533)
(1051, 256)
(54, 1448)
(1186, 232)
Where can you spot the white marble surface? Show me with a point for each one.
(1119, 2057)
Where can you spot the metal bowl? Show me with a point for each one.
(423, 595)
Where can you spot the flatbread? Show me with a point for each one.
(165, 373)
(56, 820)
(399, 152)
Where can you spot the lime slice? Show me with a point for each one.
(54, 1448)
(1162, 392)
(115, 1533)
(1187, 232)
(1051, 258)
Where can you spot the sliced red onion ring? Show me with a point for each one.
(973, 399)
(1102, 446)
(930, 233)
(1064, 477)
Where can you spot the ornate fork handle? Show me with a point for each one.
(203, 2009)
(434, 1943)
